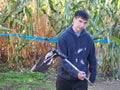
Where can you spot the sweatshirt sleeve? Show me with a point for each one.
(92, 63)
(62, 48)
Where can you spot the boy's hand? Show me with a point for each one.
(81, 75)
(91, 84)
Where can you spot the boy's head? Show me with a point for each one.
(82, 13)
(80, 20)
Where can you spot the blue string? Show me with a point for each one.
(119, 28)
(101, 41)
(53, 40)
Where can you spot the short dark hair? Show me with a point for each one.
(82, 13)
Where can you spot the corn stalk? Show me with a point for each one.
(48, 18)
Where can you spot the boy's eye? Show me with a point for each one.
(85, 22)
(80, 21)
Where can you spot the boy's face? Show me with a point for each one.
(79, 24)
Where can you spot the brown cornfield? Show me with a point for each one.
(34, 49)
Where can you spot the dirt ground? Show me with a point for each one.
(106, 85)
(100, 84)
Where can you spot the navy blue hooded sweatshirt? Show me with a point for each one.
(80, 51)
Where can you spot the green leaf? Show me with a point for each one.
(67, 10)
(117, 40)
(18, 22)
(51, 3)
(28, 13)
(77, 5)
(18, 10)
(4, 28)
